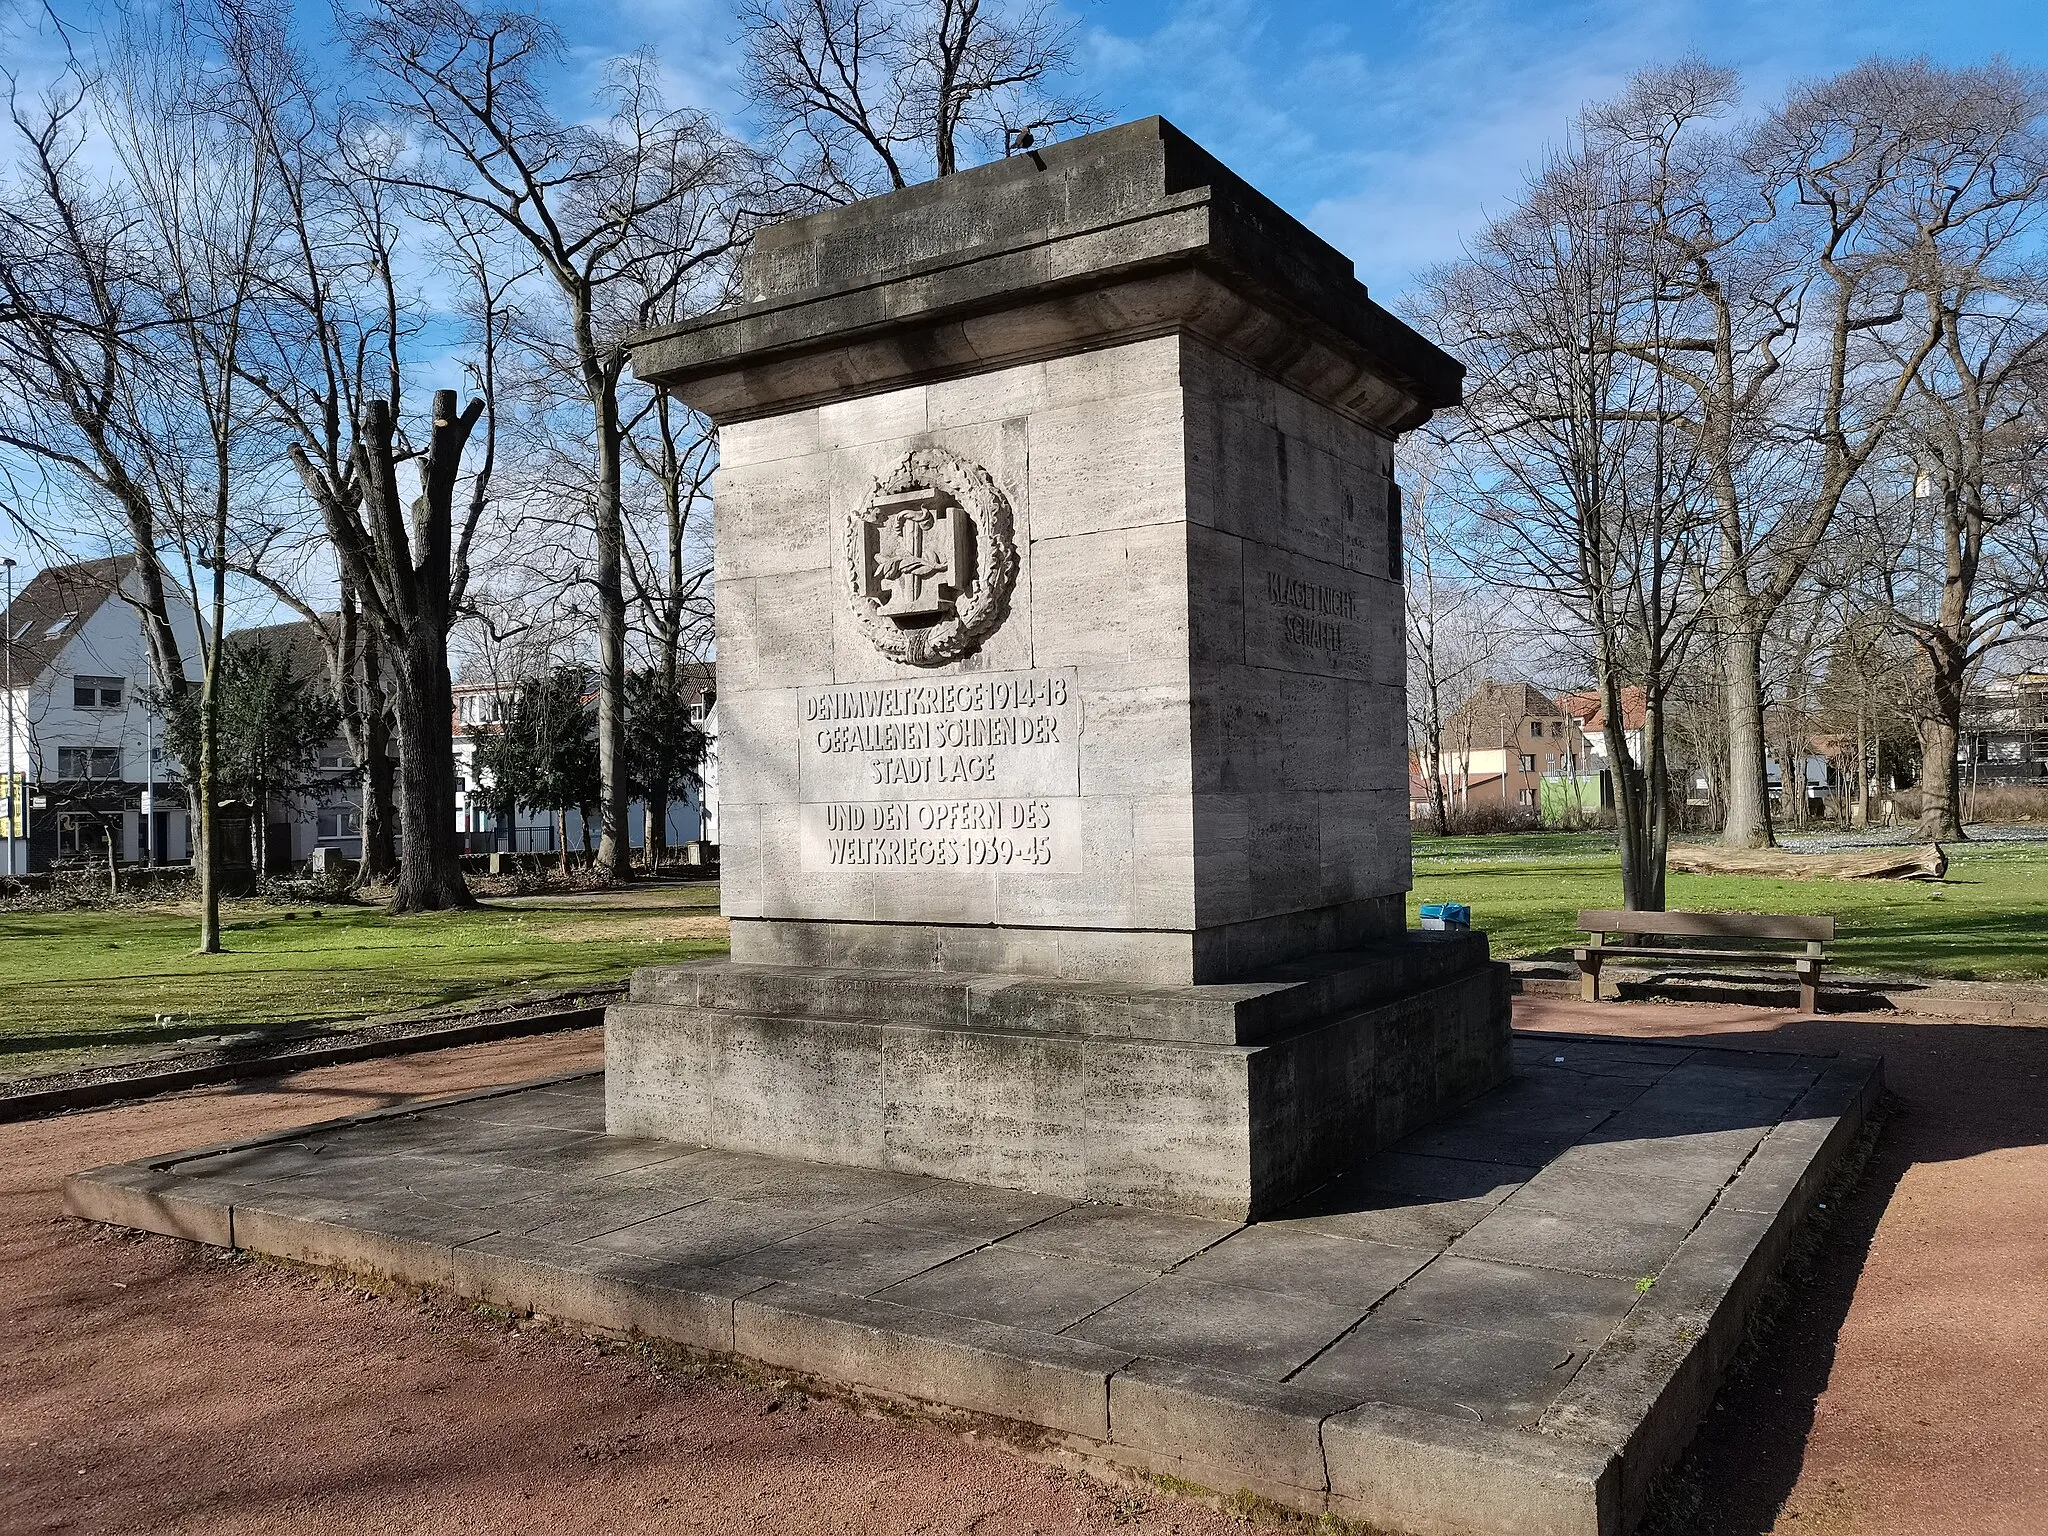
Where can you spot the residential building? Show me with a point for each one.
(1504, 742)
(1585, 708)
(326, 811)
(87, 749)
(484, 706)
(2005, 732)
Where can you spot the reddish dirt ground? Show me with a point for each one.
(1903, 1390)
(150, 1386)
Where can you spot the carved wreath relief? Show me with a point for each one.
(931, 559)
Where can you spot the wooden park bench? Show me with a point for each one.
(1649, 936)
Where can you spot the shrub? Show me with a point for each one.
(335, 888)
(1993, 803)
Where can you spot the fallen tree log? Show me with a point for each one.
(1926, 862)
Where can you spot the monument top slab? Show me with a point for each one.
(1131, 232)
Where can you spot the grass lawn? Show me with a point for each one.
(128, 977)
(1987, 921)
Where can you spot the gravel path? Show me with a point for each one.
(152, 1386)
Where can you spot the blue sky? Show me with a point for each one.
(1393, 129)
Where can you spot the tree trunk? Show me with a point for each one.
(379, 864)
(404, 578)
(1941, 801)
(209, 772)
(1862, 767)
(657, 831)
(380, 846)
(430, 874)
(562, 840)
(1792, 785)
(1638, 800)
(1748, 823)
(615, 851)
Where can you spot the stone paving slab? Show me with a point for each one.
(1509, 1322)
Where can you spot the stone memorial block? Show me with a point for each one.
(1059, 642)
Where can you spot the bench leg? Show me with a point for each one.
(1589, 981)
(1809, 994)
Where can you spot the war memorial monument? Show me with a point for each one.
(1073, 1066)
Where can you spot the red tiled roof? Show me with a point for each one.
(1584, 707)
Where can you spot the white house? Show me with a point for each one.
(482, 706)
(86, 751)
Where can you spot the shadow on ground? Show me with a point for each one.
(1956, 1092)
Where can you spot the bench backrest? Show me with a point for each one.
(1719, 925)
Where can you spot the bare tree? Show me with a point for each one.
(1570, 451)
(865, 96)
(76, 285)
(1451, 635)
(579, 199)
(201, 196)
(325, 337)
(1965, 570)
(402, 569)
(1789, 249)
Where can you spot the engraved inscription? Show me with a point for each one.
(1005, 734)
(1304, 615)
(1316, 614)
(1019, 836)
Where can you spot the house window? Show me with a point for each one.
(1550, 762)
(62, 623)
(333, 755)
(1535, 727)
(1528, 762)
(97, 692)
(334, 822)
(81, 834)
(1528, 797)
(88, 762)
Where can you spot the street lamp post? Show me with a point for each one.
(13, 788)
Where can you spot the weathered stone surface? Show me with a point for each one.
(625, 1293)
(1232, 1431)
(1048, 1379)
(133, 1195)
(758, 1063)
(1173, 751)
(1019, 1287)
(1411, 1471)
(1224, 1013)
(1254, 1333)
(1126, 232)
(1417, 1389)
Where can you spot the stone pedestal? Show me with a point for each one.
(1059, 638)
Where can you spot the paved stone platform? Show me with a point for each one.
(1509, 1322)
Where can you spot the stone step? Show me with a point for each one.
(1286, 998)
